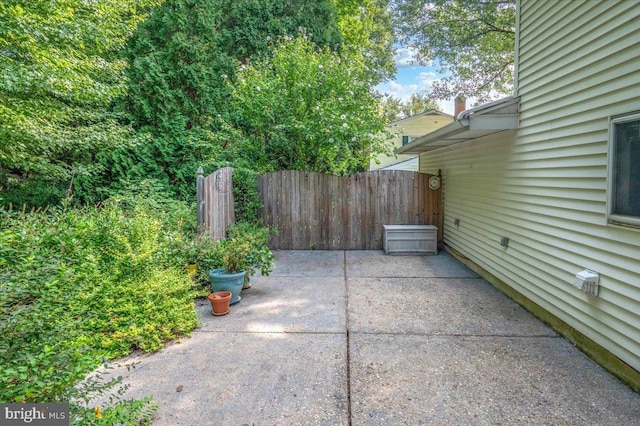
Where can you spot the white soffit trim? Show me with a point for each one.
(472, 123)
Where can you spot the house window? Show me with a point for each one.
(405, 140)
(624, 170)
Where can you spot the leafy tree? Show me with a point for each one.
(392, 108)
(182, 60)
(174, 84)
(472, 41)
(250, 25)
(366, 28)
(183, 55)
(396, 109)
(419, 102)
(306, 108)
(60, 71)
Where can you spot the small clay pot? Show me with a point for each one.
(220, 302)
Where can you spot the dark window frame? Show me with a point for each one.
(623, 183)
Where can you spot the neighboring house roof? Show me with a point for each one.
(413, 117)
(472, 123)
(409, 128)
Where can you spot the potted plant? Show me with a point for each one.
(197, 255)
(191, 269)
(190, 253)
(260, 257)
(234, 255)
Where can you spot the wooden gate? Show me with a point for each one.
(215, 202)
(324, 212)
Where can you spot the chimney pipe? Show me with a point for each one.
(460, 104)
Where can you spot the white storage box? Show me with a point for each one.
(410, 239)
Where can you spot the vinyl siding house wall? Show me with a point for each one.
(409, 128)
(544, 185)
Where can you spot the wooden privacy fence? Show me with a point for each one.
(324, 212)
(214, 199)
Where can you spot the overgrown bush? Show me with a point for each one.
(247, 202)
(185, 248)
(30, 194)
(255, 237)
(78, 286)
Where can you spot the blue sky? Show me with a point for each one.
(412, 78)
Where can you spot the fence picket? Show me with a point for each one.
(319, 211)
(314, 210)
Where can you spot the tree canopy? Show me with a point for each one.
(182, 65)
(473, 42)
(101, 95)
(397, 109)
(183, 55)
(60, 72)
(306, 108)
(366, 28)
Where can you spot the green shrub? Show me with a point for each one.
(82, 397)
(255, 237)
(81, 285)
(78, 286)
(31, 194)
(255, 233)
(247, 201)
(183, 247)
(235, 254)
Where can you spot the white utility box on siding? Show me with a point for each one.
(410, 239)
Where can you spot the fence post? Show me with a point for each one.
(200, 202)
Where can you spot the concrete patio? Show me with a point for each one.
(361, 338)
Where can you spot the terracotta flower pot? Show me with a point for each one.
(220, 302)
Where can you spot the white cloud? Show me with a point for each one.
(406, 57)
(404, 91)
(427, 78)
(420, 83)
(397, 90)
(413, 77)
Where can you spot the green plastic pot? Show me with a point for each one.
(221, 281)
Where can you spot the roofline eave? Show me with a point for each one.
(487, 118)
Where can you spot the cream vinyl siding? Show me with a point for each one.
(544, 186)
